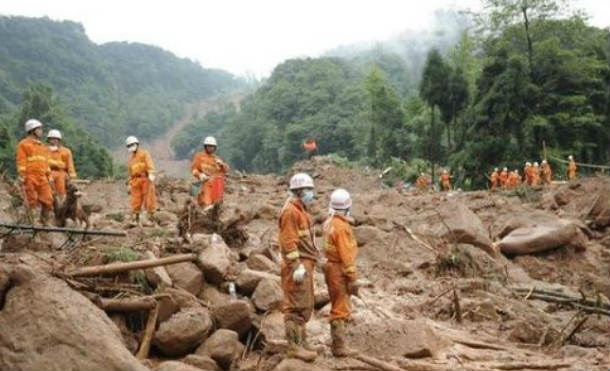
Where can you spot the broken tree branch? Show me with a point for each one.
(128, 305)
(377, 362)
(456, 304)
(151, 323)
(528, 366)
(124, 267)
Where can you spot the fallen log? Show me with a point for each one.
(377, 363)
(528, 366)
(124, 267)
(575, 302)
(128, 305)
(576, 299)
(151, 324)
(40, 228)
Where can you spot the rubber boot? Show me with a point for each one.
(45, 217)
(337, 333)
(305, 343)
(135, 220)
(295, 343)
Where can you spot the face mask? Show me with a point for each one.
(307, 196)
(132, 149)
(53, 148)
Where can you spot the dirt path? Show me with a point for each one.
(160, 147)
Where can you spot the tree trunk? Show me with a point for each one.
(529, 40)
(431, 143)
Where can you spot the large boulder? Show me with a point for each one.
(213, 296)
(216, 260)
(176, 366)
(202, 362)
(460, 225)
(45, 325)
(223, 347)
(183, 332)
(260, 262)
(248, 279)
(537, 238)
(235, 315)
(174, 300)
(187, 276)
(268, 295)
(158, 276)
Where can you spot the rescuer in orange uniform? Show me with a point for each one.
(446, 180)
(504, 178)
(310, 146)
(527, 173)
(141, 179)
(572, 168)
(546, 172)
(61, 164)
(494, 179)
(32, 159)
(341, 250)
(536, 174)
(299, 257)
(422, 182)
(208, 168)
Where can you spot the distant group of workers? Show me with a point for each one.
(533, 175)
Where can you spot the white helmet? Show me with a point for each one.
(131, 140)
(340, 199)
(301, 180)
(535, 163)
(210, 141)
(516, 171)
(505, 169)
(570, 157)
(496, 169)
(54, 133)
(528, 164)
(544, 161)
(32, 124)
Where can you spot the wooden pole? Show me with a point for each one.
(124, 267)
(128, 305)
(151, 324)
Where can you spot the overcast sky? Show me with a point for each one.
(251, 36)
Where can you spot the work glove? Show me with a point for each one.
(299, 274)
(353, 288)
(151, 177)
(203, 177)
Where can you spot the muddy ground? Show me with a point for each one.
(439, 293)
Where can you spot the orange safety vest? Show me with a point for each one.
(32, 157)
(61, 159)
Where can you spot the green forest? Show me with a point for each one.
(521, 80)
(98, 94)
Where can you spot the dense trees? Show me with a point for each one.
(111, 90)
(533, 74)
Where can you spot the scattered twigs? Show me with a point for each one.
(586, 305)
(151, 323)
(124, 267)
(416, 239)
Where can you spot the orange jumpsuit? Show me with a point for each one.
(341, 250)
(297, 237)
(547, 173)
(494, 180)
(140, 165)
(210, 165)
(62, 167)
(504, 179)
(527, 175)
(572, 168)
(421, 182)
(446, 182)
(33, 167)
(535, 175)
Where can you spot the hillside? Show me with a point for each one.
(438, 293)
(111, 90)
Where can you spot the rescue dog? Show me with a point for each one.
(71, 208)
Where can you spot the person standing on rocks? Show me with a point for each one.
(494, 179)
(341, 250)
(210, 170)
(141, 179)
(446, 180)
(61, 163)
(32, 158)
(572, 168)
(546, 172)
(299, 257)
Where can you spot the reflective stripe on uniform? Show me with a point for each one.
(36, 158)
